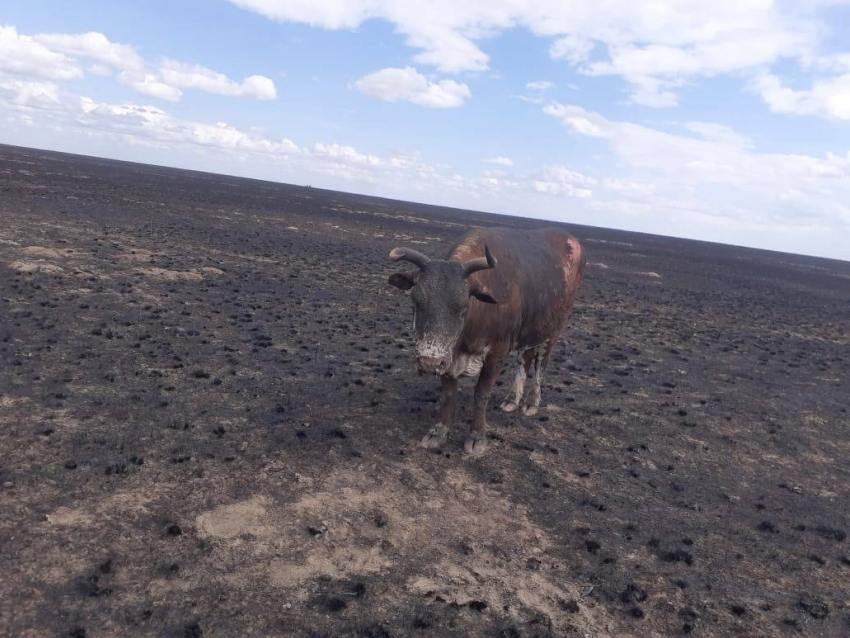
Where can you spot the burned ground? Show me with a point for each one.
(209, 417)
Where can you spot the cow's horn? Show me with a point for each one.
(408, 254)
(481, 263)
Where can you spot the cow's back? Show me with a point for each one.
(535, 282)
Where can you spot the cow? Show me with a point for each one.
(499, 293)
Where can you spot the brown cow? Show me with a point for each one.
(523, 283)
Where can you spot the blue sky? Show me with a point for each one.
(725, 122)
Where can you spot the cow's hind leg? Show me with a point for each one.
(437, 435)
(517, 390)
(541, 358)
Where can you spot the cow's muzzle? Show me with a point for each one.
(433, 365)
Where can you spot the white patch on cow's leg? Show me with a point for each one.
(517, 388)
(532, 402)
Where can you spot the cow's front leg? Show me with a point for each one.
(476, 442)
(436, 436)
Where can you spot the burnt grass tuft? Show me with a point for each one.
(335, 603)
(173, 343)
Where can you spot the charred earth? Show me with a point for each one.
(209, 420)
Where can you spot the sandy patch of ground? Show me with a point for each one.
(466, 544)
(138, 254)
(23, 265)
(238, 519)
(179, 275)
(36, 259)
(70, 517)
(47, 253)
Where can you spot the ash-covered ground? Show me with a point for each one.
(209, 421)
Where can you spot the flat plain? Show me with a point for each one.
(209, 419)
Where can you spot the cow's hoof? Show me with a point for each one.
(475, 444)
(435, 438)
(530, 410)
(508, 406)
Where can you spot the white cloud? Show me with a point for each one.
(629, 188)
(718, 173)
(539, 85)
(568, 190)
(564, 175)
(531, 99)
(502, 161)
(656, 47)
(93, 45)
(654, 69)
(153, 123)
(719, 133)
(100, 69)
(829, 97)
(22, 55)
(54, 56)
(26, 93)
(573, 49)
(392, 84)
(150, 85)
(346, 153)
(560, 180)
(193, 76)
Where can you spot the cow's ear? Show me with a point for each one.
(482, 293)
(404, 280)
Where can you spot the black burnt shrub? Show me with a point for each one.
(375, 630)
(90, 586)
(677, 556)
(570, 606)
(633, 593)
(335, 603)
(831, 533)
(814, 606)
(423, 619)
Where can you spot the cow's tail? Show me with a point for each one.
(582, 264)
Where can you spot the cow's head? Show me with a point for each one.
(440, 291)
